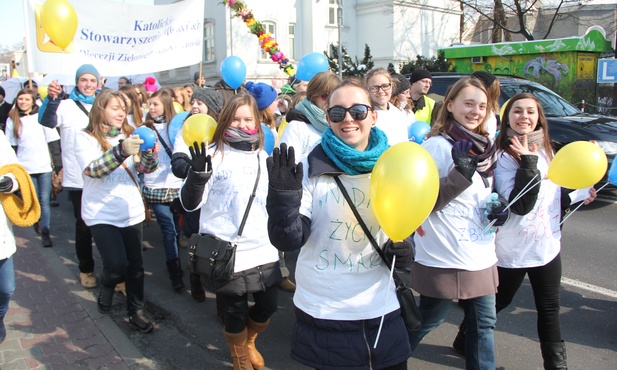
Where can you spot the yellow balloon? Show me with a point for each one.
(43, 92)
(578, 165)
(59, 21)
(198, 128)
(282, 128)
(404, 188)
(178, 107)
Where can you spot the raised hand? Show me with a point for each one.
(523, 148)
(130, 145)
(283, 171)
(464, 162)
(200, 161)
(54, 89)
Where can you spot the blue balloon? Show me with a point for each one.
(417, 131)
(233, 71)
(176, 125)
(147, 135)
(268, 139)
(612, 173)
(310, 65)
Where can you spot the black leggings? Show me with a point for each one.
(545, 282)
(401, 366)
(237, 308)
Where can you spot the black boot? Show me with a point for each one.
(2, 330)
(197, 290)
(554, 355)
(175, 274)
(459, 341)
(46, 239)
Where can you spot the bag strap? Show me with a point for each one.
(80, 106)
(167, 150)
(399, 282)
(253, 195)
(132, 177)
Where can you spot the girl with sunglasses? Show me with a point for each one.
(341, 282)
(390, 119)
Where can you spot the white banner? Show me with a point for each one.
(119, 39)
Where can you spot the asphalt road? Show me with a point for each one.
(189, 336)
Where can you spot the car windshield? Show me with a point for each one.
(553, 104)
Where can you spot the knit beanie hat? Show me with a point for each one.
(419, 74)
(263, 93)
(87, 69)
(486, 78)
(210, 97)
(402, 83)
(150, 84)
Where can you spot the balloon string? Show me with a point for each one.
(524, 191)
(580, 205)
(385, 303)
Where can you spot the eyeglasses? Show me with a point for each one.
(384, 88)
(358, 112)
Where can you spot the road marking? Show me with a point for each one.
(589, 287)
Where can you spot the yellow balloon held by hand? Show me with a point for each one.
(404, 188)
(42, 92)
(578, 165)
(198, 128)
(178, 107)
(59, 20)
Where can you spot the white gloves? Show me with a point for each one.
(130, 145)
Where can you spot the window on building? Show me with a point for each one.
(291, 45)
(332, 11)
(209, 55)
(271, 28)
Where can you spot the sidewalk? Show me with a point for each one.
(53, 323)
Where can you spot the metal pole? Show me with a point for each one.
(339, 13)
(231, 35)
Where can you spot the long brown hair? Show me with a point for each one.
(445, 120)
(14, 113)
(97, 117)
(503, 141)
(321, 85)
(227, 117)
(166, 96)
(138, 114)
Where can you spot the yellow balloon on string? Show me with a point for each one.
(178, 107)
(578, 165)
(198, 128)
(59, 20)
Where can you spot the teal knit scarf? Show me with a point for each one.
(78, 96)
(315, 115)
(350, 160)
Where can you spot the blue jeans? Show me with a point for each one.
(480, 317)
(42, 186)
(7, 284)
(168, 222)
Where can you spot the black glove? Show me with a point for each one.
(464, 162)
(199, 159)
(402, 250)
(6, 184)
(500, 214)
(283, 171)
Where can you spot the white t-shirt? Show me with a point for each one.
(114, 199)
(224, 201)
(394, 123)
(302, 136)
(452, 237)
(339, 275)
(32, 150)
(533, 239)
(162, 178)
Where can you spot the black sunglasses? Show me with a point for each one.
(357, 111)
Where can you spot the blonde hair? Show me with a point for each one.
(138, 114)
(186, 100)
(97, 117)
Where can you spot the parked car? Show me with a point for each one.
(566, 122)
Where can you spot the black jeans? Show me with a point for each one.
(120, 249)
(545, 282)
(83, 236)
(237, 308)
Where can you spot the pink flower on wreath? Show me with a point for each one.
(231, 2)
(277, 56)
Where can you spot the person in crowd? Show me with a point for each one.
(161, 187)
(421, 81)
(140, 89)
(338, 310)
(199, 79)
(27, 137)
(454, 258)
(123, 81)
(525, 154)
(182, 97)
(282, 107)
(71, 116)
(238, 162)
(295, 99)
(134, 115)
(491, 83)
(267, 100)
(150, 85)
(226, 91)
(389, 118)
(401, 98)
(297, 85)
(307, 120)
(112, 205)
(190, 89)
(5, 107)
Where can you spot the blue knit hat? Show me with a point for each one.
(87, 69)
(263, 93)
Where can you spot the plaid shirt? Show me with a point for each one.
(113, 158)
(160, 195)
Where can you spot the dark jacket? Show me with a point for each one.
(256, 279)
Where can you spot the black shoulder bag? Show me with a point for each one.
(213, 258)
(409, 308)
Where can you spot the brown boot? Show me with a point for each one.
(238, 349)
(253, 329)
